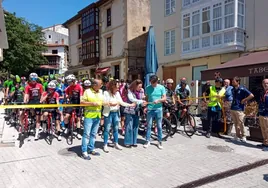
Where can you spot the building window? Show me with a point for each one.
(229, 13)
(217, 17)
(169, 42)
(241, 13)
(195, 1)
(229, 37)
(79, 31)
(205, 42)
(206, 20)
(170, 7)
(80, 55)
(88, 21)
(109, 17)
(186, 46)
(49, 36)
(195, 44)
(217, 39)
(109, 46)
(240, 36)
(90, 47)
(186, 26)
(117, 72)
(196, 23)
(186, 2)
(54, 51)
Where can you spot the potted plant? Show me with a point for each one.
(252, 122)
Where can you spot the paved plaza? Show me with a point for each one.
(182, 160)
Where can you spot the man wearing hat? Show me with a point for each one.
(215, 94)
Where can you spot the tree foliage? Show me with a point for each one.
(26, 44)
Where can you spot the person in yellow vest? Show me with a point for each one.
(93, 97)
(215, 94)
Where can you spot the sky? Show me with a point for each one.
(45, 13)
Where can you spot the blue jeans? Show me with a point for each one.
(111, 120)
(91, 126)
(132, 127)
(157, 115)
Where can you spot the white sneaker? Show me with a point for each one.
(79, 136)
(159, 145)
(146, 145)
(105, 149)
(244, 139)
(59, 138)
(66, 131)
(117, 146)
(235, 138)
(36, 134)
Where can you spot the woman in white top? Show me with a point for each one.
(113, 100)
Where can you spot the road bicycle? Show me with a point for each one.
(50, 128)
(26, 127)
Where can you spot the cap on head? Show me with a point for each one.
(219, 80)
(153, 78)
(183, 82)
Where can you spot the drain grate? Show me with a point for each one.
(222, 175)
(221, 149)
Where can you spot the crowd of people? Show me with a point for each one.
(114, 102)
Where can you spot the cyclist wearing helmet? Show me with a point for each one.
(60, 91)
(170, 97)
(52, 97)
(73, 93)
(8, 84)
(33, 92)
(17, 91)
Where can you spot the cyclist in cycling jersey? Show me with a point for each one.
(23, 81)
(33, 92)
(170, 97)
(16, 96)
(8, 84)
(73, 93)
(52, 97)
(183, 94)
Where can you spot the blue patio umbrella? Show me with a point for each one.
(151, 61)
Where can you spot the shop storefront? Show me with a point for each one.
(253, 67)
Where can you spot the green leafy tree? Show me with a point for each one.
(26, 44)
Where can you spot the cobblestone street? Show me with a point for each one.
(182, 160)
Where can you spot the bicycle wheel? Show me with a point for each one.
(174, 123)
(21, 136)
(72, 132)
(166, 129)
(189, 125)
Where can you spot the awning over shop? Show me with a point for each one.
(252, 64)
(47, 67)
(102, 70)
(3, 33)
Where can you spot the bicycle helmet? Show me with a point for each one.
(23, 78)
(169, 81)
(33, 77)
(54, 81)
(87, 83)
(70, 78)
(17, 79)
(51, 85)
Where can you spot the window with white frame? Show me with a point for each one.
(206, 20)
(205, 42)
(186, 2)
(195, 23)
(229, 36)
(240, 36)
(229, 13)
(217, 39)
(241, 13)
(170, 7)
(217, 17)
(195, 44)
(186, 26)
(186, 46)
(195, 1)
(170, 42)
